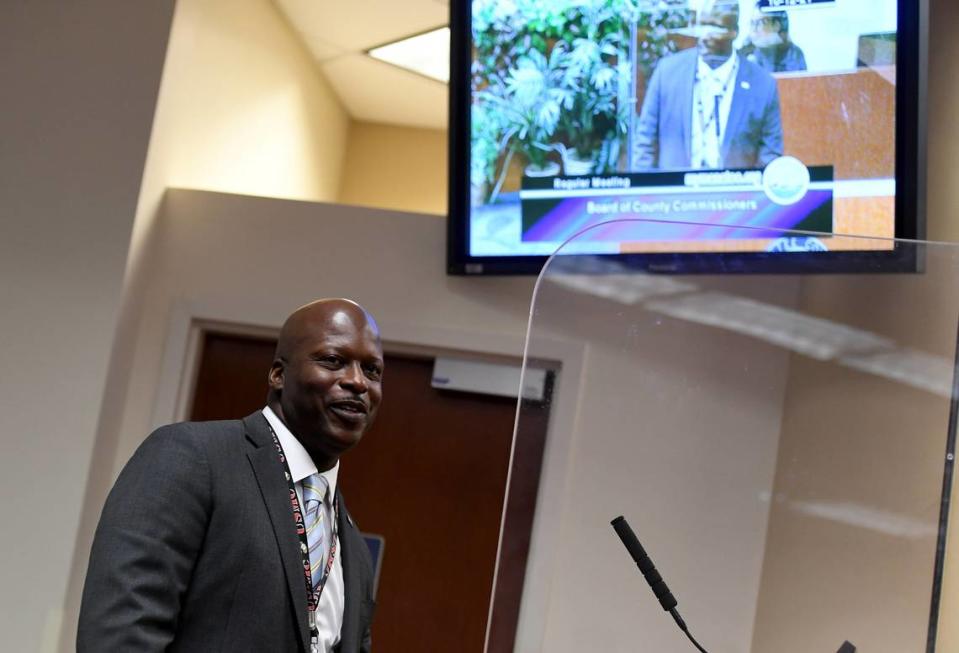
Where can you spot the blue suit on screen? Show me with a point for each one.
(663, 133)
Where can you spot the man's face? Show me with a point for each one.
(722, 29)
(330, 383)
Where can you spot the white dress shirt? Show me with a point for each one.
(711, 84)
(329, 613)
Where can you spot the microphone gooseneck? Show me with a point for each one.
(652, 576)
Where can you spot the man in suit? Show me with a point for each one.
(706, 107)
(214, 531)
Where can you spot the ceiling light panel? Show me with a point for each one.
(427, 54)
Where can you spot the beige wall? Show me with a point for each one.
(397, 168)
(242, 108)
(852, 536)
(864, 430)
(79, 87)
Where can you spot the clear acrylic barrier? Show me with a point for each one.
(779, 444)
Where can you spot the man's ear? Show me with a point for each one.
(275, 377)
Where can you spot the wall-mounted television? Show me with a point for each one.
(803, 115)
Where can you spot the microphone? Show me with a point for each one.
(656, 582)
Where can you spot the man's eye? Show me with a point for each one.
(374, 373)
(330, 361)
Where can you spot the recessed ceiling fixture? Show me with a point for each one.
(427, 54)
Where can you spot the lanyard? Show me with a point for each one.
(705, 119)
(312, 593)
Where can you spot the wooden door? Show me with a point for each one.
(430, 478)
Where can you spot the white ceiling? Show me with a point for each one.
(338, 33)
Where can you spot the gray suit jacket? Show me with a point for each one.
(662, 140)
(196, 551)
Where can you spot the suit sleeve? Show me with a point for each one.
(146, 544)
(645, 154)
(771, 143)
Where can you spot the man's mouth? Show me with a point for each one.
(349, 409)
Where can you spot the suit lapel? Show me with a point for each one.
(737, 110)
(351, 590)
(273, 487)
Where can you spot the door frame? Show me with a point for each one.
(180, 365)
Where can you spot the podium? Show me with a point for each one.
(781, 444)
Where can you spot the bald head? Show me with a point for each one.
(321, 314)
(325, 380)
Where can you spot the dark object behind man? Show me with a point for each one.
(769, 44)
(197, 547)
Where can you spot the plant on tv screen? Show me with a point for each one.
(554, 76)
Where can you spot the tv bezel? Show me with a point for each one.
(910, 175)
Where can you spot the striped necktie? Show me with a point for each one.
(315, 489)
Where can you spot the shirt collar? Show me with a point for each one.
(721, 72)
(299, 460)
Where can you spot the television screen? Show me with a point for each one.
(740, 114)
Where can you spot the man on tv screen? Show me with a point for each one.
(707, 107)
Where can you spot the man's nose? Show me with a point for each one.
(353, 377)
